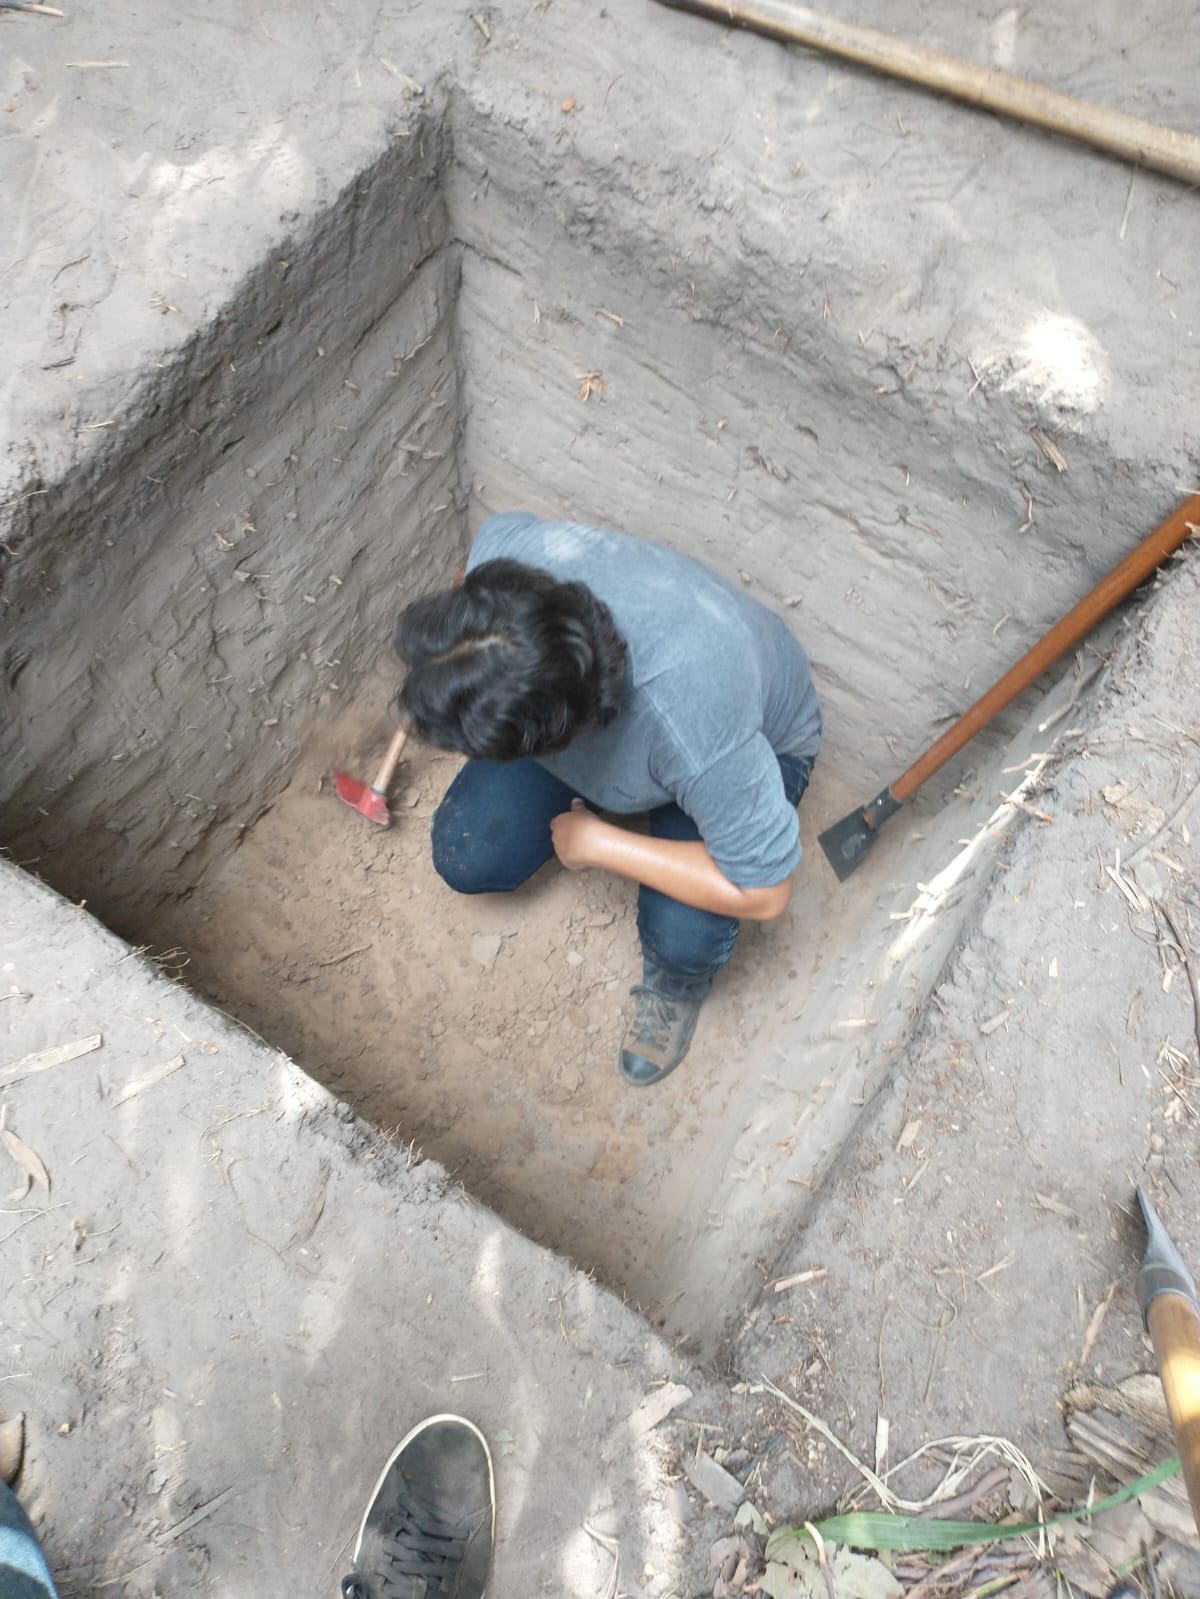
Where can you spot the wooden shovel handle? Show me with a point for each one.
(1175, 1332)
(1145, 143)
(391, 760)
(1110, 591)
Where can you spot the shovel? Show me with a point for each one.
(1146, 144)
(1171, 1312)
(847, 841)
(370, 799)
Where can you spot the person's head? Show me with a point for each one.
(512, 663)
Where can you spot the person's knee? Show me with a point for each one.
(692, 943)
(470, 859)
(454, 860)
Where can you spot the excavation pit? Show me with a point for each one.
(197, 634)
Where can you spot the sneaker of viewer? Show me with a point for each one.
(429, 1525)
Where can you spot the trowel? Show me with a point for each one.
(1171, 1313)
(847, 841)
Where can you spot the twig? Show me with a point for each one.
(44, 1212)
(926, 1588)
(1023, 805)
(996, 1585)
(1097, 1321)
(43, 1059)
(149, 1079)
(1083, 681)
(1128, 207)
(885, 1494)
(336, 960)
(987, 1484)
(1189, 969)
(822, 1559)
(189, 1522)
(817, 1275)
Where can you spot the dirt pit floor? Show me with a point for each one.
(486, 1031)
(910, 375)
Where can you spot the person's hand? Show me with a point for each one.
(574, 833)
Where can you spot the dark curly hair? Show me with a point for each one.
(513, 663)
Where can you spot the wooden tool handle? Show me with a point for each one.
(391, 760)
(1175, 1332)
(1110, 591)
(1146, 143)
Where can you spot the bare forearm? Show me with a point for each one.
(683, 870)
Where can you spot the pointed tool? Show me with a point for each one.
(370, 799)
(847, 841)
(1171, 1312)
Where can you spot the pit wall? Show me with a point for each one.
(294, 476)
(872, 489)
(180, 609)
(240, 1298)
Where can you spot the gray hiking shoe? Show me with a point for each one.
(427, 1532)
(660, 1034)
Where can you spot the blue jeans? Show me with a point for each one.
(23, 1572)
(492, 832)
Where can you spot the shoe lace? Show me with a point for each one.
(654, 1018)
(423, 1550)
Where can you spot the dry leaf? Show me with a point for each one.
(794, 1573)
(28, 1160)
(909, 1136)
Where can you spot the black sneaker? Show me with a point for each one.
(660, 1034)
(427, 1533)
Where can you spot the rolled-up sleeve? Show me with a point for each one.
(740, 807)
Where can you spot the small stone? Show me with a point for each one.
(485, 947)
(678, 1503)
(715, 1483)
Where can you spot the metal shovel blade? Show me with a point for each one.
(361, 797)
(1162, 1270)
(847, 842)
